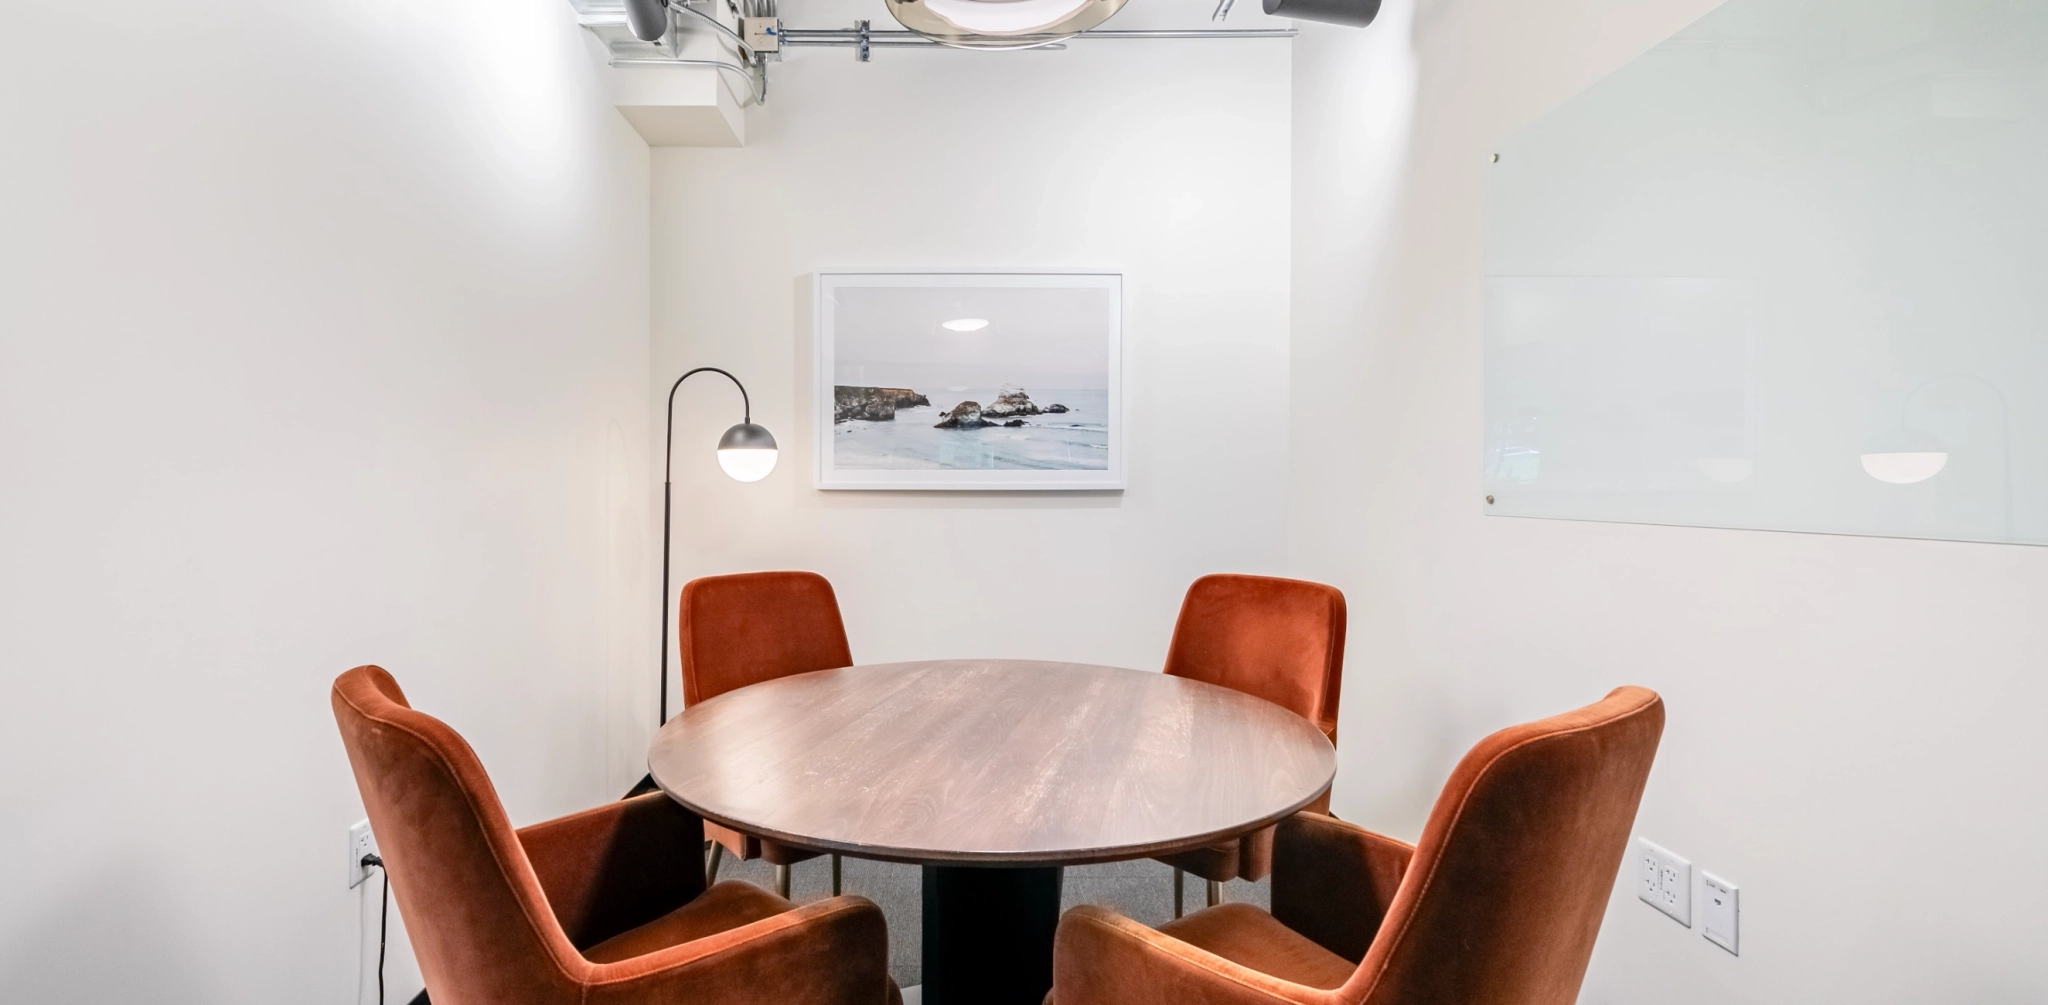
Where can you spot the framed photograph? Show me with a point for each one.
(969, 381)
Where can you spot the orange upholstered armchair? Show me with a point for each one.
(743, 629)
(1277, 639)
(1498, 905)
(606, 906)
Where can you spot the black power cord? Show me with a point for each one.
(383, 919)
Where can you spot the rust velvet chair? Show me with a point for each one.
(606, 906)
(1498, 905)
(1277, 639)
(737, 630)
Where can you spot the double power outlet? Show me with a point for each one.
(1664, 881)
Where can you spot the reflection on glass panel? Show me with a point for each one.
(1788, 270)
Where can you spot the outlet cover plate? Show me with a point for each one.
(360, 842)
(1664, 881)
(1720, 912)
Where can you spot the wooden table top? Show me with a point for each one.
(991, 761)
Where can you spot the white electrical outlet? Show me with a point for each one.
(360, 843)
(1664, 881)
(1720, 911)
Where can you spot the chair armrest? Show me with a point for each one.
(619, 866)
(1333, 881)
(1101, 957)
(829, 952)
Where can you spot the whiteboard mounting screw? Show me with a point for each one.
(1489, 500)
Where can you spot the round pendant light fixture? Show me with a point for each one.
(1001, 24)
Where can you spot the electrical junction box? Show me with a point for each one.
(762, 34)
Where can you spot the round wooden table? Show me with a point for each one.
(992, 774)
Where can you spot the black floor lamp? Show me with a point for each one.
(747, 454)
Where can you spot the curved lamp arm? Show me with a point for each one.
(668, 449)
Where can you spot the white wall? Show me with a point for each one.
(1853, 733)
(323, 341)
(1168, 161)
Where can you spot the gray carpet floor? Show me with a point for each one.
(1141, 890)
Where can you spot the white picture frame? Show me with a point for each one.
(893, 382)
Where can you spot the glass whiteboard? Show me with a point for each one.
(1786, 271)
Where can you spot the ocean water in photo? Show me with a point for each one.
(1077, 440)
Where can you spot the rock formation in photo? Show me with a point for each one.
(1056, 409)
(874, 404)
(1012, 402)
(965, 415)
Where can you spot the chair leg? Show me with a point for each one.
(1180, 881)
(711, 863)
(835, 875)
(1215, 893)
(782, 881)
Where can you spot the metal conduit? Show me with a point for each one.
(886, 43)
(851, 36)
(712, 21)
(814, 36)
(863, 38)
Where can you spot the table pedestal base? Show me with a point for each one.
(988, 934)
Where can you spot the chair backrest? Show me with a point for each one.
(739, 630)
(1506, 890)
(1277, 639)
(479, 922)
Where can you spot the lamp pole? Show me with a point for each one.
(667, 492)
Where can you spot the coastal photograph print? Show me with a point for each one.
(969, 380)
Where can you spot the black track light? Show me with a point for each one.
(1356, 13)
(649, 18)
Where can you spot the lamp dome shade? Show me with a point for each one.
(1904, 457)
(648, 19)
(1001, 24)
(747, 452)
